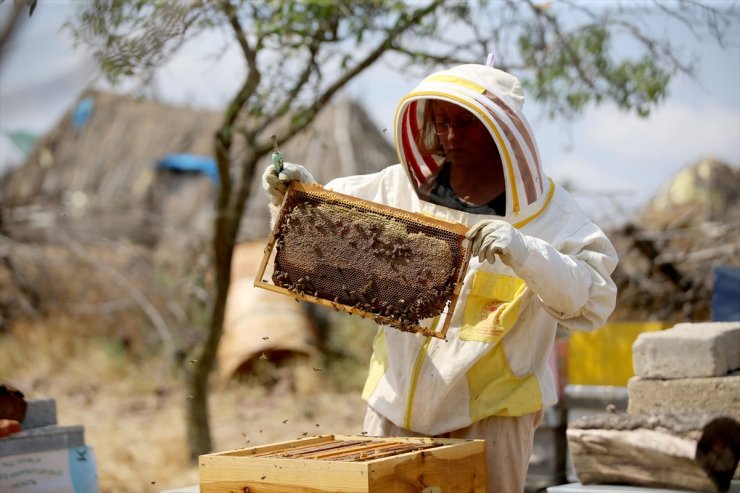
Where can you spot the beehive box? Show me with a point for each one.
(368, 259)
(339, 463)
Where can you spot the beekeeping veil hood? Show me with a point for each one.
(496, 98)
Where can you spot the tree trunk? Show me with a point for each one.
(693, 451)
(224, 240)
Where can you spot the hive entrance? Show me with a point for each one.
(367, 259)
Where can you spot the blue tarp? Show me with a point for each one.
(190, 163)
(82, 112)
(726, 294)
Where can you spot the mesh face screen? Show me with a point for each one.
(390, 265)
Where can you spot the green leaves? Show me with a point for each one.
(576, 68)
(135, 37)
(568, 56)
(639, 85)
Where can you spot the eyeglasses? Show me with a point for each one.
(442, 127)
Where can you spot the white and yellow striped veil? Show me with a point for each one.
(496, 98)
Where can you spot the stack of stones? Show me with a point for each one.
(692, 367)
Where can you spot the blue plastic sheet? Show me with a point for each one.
(83, 112)
(190, 163)
(726, 294)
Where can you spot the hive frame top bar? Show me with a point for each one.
(304, 442)
(317, 192)
(328, 195)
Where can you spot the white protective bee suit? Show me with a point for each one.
(494, 361)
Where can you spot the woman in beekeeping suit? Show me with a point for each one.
(468, 156)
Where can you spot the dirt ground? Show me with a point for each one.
(139, 440)
(133, 410)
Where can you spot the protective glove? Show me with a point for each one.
(495, 237)
(276, 185)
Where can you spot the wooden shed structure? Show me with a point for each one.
(97, 168)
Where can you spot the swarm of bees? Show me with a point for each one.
(391, 270)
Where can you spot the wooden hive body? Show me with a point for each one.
(348, 464)
(367, 259)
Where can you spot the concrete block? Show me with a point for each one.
(710, 394)
(42, 439)
(40, 412)
(688, 351)
(597, 397)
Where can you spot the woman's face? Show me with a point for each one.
(464, 138)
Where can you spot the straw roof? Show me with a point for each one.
(111, 157)
(100, 178)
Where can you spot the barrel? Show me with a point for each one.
(258, 321)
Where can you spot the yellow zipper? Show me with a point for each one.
(415, 376)
(414, 381)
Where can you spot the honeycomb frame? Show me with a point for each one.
(436, 241)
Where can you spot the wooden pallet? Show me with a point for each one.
(338, 463)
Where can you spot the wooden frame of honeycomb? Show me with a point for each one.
(367, 259)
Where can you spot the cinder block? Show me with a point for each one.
(711, 395)
(40, 412)
(42, 439)
(595, 397)
(688, 351)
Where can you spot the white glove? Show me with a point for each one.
(495, 237)
(275, 186)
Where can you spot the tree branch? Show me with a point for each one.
(225, 134)
(567, 48)
(402, 25)
(303, 78)
(165, 334)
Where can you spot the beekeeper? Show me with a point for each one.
(468, 156)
